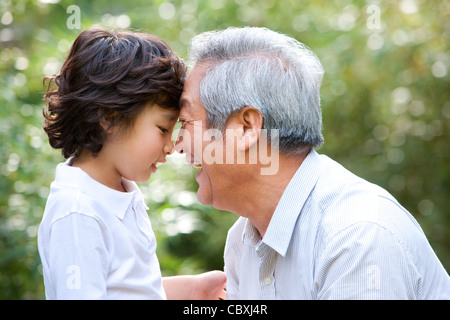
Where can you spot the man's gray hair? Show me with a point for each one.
(269, 71)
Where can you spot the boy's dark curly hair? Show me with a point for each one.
(110, 75)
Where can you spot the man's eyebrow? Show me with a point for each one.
(182, 102)
(184, 108)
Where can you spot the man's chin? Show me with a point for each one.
(203, 194)
(203, 198)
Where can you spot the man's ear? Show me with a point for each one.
(247, 124)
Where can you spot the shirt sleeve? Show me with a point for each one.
(78, 258)
(365, 261)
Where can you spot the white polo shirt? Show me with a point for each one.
(333, 235)
(96, 242)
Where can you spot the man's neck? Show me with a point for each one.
(262, 194)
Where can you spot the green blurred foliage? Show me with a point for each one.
(385, 102)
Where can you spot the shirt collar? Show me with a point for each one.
(112, 200)
(250, 236)
(282, 223)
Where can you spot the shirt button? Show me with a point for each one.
(268, 281)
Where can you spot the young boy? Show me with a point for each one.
(112, 114)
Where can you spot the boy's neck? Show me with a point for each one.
(99, 170)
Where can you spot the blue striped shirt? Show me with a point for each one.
(333, 235)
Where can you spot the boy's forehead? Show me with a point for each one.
(167, 114)
(171, 115)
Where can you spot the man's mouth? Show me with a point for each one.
(196, 165)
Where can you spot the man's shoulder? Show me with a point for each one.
(343, 199)
(337, 183)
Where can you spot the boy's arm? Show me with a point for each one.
(204, 286)
(78, 258)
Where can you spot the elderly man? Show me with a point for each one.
(308, 228)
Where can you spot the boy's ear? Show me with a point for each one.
(107, 119)
(247, 124)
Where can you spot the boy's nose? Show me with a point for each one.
(169, 148)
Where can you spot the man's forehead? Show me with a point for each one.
(183, 103)
(190, 99)
(185, 106)
(191, 109)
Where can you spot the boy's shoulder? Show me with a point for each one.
(63, 201)
(74, 191)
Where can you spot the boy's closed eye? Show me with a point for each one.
(163, 130)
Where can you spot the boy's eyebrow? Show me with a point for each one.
(170, 117)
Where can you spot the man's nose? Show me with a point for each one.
(179, 143)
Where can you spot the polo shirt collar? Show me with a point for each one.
(282, 223)
(112, 200)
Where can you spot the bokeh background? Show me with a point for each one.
(385, 100)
